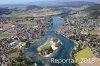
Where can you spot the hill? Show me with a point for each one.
(30, 7)
(5, 11)
(55, 4)
(73, 4)
(94, 10)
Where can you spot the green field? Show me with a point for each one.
(95, 32)
(85, 53)
(45, 45)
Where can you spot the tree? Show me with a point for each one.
(28, 44)
(58, 44)
(55, 40)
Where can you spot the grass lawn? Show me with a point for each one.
(2, 36)
(85, 53)
(45, 45)
(27, 23)
(95, 32)
(5, 34)
(14, 54)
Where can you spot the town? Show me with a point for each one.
(17, 35)
(32, 34)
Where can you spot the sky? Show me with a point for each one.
(27, 1)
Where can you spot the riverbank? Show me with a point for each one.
(62, 52)
(77, 29)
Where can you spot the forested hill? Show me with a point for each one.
(5, 11)
(72, 4)
(94, 10)
(30, 7)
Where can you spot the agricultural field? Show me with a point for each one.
(83, 54)
(95, 32)
(35, 13)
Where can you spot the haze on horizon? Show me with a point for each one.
(28, 1)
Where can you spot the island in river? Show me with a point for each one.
(63, 52)
(49, 47)
(46, 36)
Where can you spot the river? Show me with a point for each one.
(64, 52)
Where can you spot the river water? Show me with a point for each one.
(64, 52)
